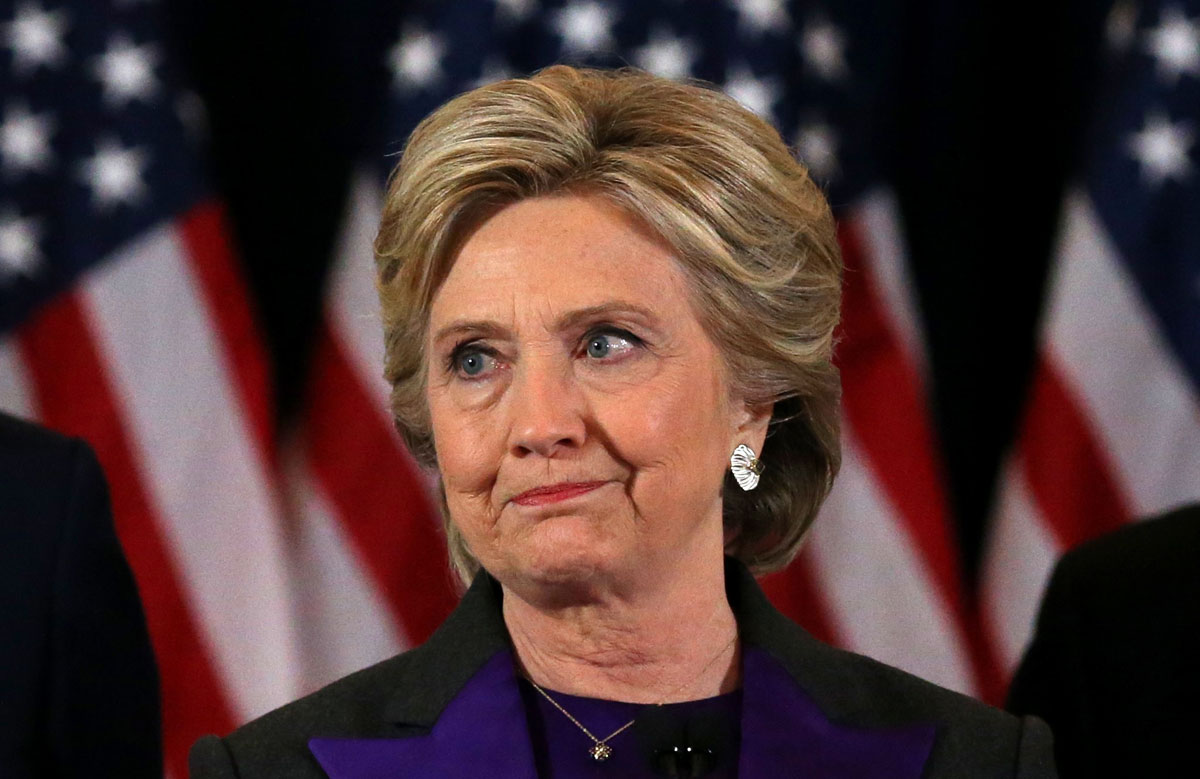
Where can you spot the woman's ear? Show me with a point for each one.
(752, 420)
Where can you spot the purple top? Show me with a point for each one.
(485, 732)
(560, 749)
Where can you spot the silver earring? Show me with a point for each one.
(746, 467)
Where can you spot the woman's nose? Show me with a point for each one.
(546, 411)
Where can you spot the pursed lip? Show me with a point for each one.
(552, 493)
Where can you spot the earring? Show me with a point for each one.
(746, 467)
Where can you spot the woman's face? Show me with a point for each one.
(582, 416)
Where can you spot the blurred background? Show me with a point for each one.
(189, 196)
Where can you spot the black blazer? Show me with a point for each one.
(78, 685)
(404, 696)
(1113, 665)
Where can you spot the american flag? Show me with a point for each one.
(880, 573)
(123, 320)
(1111, 431)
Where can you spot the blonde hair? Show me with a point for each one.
(751, 230)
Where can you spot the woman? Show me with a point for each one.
(603, 294)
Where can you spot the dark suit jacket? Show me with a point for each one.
(404, 701)
(78, 685)
(1113, 665)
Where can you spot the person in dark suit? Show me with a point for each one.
(1113, 664)
(78, 682)
(604, 294)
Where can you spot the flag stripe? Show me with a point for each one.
(882, 405)
(795, 592)
(168, 370)
(353, 303)
(1017, 562)
(875, 224)
(14, 384)
(377, 492)
(885, 602)
(1107, 345)
(204, 232)
(1067, 472)
(73, 394)
(880, 237)
(885, 413)
(346, 622)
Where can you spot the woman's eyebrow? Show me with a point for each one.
(486, 328)
(482, 328)
(573, 319)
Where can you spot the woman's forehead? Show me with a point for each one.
(550, 257)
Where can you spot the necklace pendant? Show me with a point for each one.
(600, 752)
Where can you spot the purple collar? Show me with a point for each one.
(483, 731)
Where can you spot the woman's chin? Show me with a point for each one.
(568, 558)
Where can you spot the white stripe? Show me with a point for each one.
(353, 309)
(15, 397)
(1108, 346)
(884, 245)
(1018, 559)
(353, 303)
(203, 475)
(344, 622)
(874, 582)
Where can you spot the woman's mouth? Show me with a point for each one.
(553, 493)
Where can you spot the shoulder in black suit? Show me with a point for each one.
(1114, 666)
(404, 697)
(78, 685)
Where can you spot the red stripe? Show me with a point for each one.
(205, 234)
(794, 591)
(1068, 473)
(73, 395)
(377, 492)
(883, 406)
(887, 414)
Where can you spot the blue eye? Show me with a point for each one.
(471, 362)
(607, 345)
(598, 346)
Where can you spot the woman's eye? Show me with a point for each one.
(473, 363)
(601, 346)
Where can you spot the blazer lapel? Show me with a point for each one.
(785, 733)
(482, 729)
(457, 708)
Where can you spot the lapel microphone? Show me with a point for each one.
(690, 747)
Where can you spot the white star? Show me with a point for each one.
(824, 49)
(19, 253)
(115, 174)
(126, 71)
(35, 36)
(417, 59)
(585, 26)
(760, 16)
(816, 146)
(1175, 43)
(1162, 149)
(516, 10)
(666, 55)
(25, 139)
(758, 94)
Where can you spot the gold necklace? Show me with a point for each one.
(600, 750)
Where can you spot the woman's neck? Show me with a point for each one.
(673, 644)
